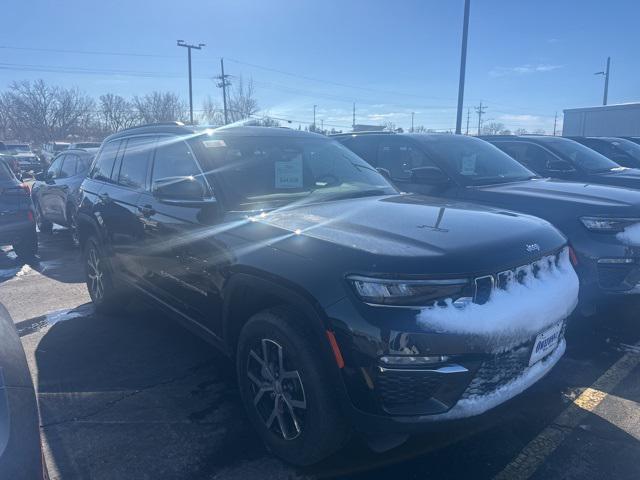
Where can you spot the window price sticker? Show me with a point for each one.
(289, 174)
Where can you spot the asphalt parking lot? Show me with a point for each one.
(137, 396)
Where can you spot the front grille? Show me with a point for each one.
(484, 286)
(617, 276)
(498, 371)
(406, 391)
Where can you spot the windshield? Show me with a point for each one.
(257, 173)
(5, 172)
(15, 147)
(627, 146)
(473, 161)
(581, 157)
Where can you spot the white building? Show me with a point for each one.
(604, 121)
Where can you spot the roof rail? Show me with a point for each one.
(173, 123)
(364, 132)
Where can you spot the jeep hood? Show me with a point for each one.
(406, 233)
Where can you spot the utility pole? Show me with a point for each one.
(480, 110)
(606, 81)
(181, 43)
(468, 117)
(463, 66)
(224, 83)
(354, 117)
(412, 114)
(555, 123)
(322, 124)
(314, 117)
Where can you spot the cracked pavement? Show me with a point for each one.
(137, 396)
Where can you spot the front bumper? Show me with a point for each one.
(479, 397)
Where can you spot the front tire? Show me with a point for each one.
(27, 247)
(99, 278)
(286, 389)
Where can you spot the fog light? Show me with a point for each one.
(406, 361)
(616, 261)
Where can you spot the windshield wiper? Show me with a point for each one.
(373, 192)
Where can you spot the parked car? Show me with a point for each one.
(593, 217)
(344, 303)
(75, 145)
(56, 191)
(632, 139)
(562, 158)
(20, 449)
(26, 160)
(17, 226)
(620, 150)
(51, 149)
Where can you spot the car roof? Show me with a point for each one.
(79, 150)
(177, 128)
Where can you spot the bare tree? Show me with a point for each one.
(520, 131)
(40, 112)
(242, 103)
(390, 126)
(159, 107)
(492, 128)
(211, 112)
(540, 131)
(115, 112)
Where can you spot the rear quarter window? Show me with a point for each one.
(103, 165)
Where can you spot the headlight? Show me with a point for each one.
(382, 291)
(602, 224)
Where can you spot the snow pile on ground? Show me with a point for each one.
(516, 313)
(468, 407)
(630, 235)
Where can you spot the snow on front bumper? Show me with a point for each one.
(471, 404)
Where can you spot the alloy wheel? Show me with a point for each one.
(95, 274)
(278, 393)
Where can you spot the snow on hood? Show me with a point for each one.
(518, 312)
(630, 236)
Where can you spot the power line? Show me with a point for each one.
(86, 52)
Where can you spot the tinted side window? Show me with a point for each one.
(54, 168)
(84, 162)
(135, 162)
(104, 163)
(173, 158)
(532, 156)
(363, 146)
(400, 157)
(69, 166)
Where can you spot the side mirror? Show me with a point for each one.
(559, 166)
(428, 176)
(184, 191)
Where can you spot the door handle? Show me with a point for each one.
(104, 197)
(146, 210)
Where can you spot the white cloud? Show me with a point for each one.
(524, 69)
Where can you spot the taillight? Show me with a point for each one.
(30, 216)
(573, 257)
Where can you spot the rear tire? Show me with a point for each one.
(286, 389)
(99, 277)
(27, 247)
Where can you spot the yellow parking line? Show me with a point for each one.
(538, 449)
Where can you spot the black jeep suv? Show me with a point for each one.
(600, 221)
(565, 159)
(345, 304)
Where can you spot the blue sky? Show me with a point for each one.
(526, 59)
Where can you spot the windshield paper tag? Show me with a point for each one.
(468, 165)
(289, 174)
(214, 143)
